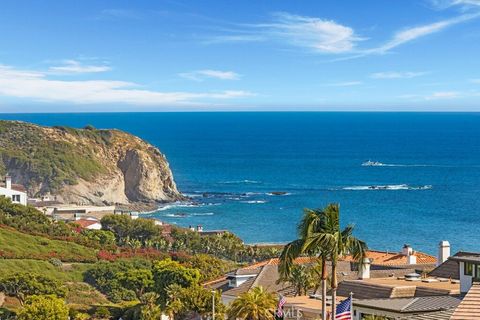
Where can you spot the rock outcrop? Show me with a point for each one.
(85, 166)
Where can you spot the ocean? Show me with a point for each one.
(253, 173)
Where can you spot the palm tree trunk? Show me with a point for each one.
(334, 288)
(324, 289)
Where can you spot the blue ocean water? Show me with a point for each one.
(428, 190)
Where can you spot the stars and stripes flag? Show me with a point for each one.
(344, 310)
(279, 314)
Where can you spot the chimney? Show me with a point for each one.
(407, 250)
(364, 269)
(411, 259)
(199, 228)
(443, 252)
(8, 182)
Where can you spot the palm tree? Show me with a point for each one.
(336, 243)
(301, 278)
(320, 235)
(312, 222)
(256, 304)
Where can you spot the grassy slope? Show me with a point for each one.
(73, 272)
(14, 244)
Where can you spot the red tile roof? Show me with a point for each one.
(378, 258)
(84, 223)
(385, 258)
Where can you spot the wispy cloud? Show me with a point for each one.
(443, 4)
(413, 33)
(396, 75)
(442, 95)
(200, 75)
(37, 86)
(345, 84)
(330, 37)
(319, 35)
(76, 67)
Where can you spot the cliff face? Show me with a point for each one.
(85, 166)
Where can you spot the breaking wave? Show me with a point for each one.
(254, 201)
(186, 205)
(388, 187)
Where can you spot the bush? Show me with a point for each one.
(56, 262)
(44, 308)
(102, 313)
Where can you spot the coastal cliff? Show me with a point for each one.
(85, 166)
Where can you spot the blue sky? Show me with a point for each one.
(176, 55)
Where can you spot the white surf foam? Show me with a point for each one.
(254, 201)
(388, 187)
(203, 214)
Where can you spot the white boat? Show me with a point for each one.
(372, 164)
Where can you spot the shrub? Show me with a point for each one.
(56, 262)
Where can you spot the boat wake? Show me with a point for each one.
(381, 164)
(246, 181)
(388, 187)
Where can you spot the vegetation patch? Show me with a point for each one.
(17, 245)
(46, 160)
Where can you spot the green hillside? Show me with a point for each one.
(48, 160)
(68, 272)
(17, 245)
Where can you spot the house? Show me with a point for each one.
(67, 212)
(469, 308)
(15, 192)
(435, 307)
(463, 266)
(202, 232)
(89, 223)
(381, 264)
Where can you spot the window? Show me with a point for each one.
(468, 269)
(477, 271)
(16, 198)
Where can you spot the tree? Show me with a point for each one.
(336, 243)
(105, 276)
(46, 307)
(103, 237)
(256, 304)
(167, 273)
(320, 236)
(301, 278)
(310, 223)
(23, 285)
(195, 300)
(137, 280)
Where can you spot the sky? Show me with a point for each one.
(262, 55)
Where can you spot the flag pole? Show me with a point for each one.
(351, 305)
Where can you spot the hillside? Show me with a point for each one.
(18, 245)
(85, 166)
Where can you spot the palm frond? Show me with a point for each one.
(290, 252)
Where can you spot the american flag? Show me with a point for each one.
(281, 302)
(344, 310)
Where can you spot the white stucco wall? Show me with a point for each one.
(9, 193)
(465, 281)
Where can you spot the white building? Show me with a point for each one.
(15, 192)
